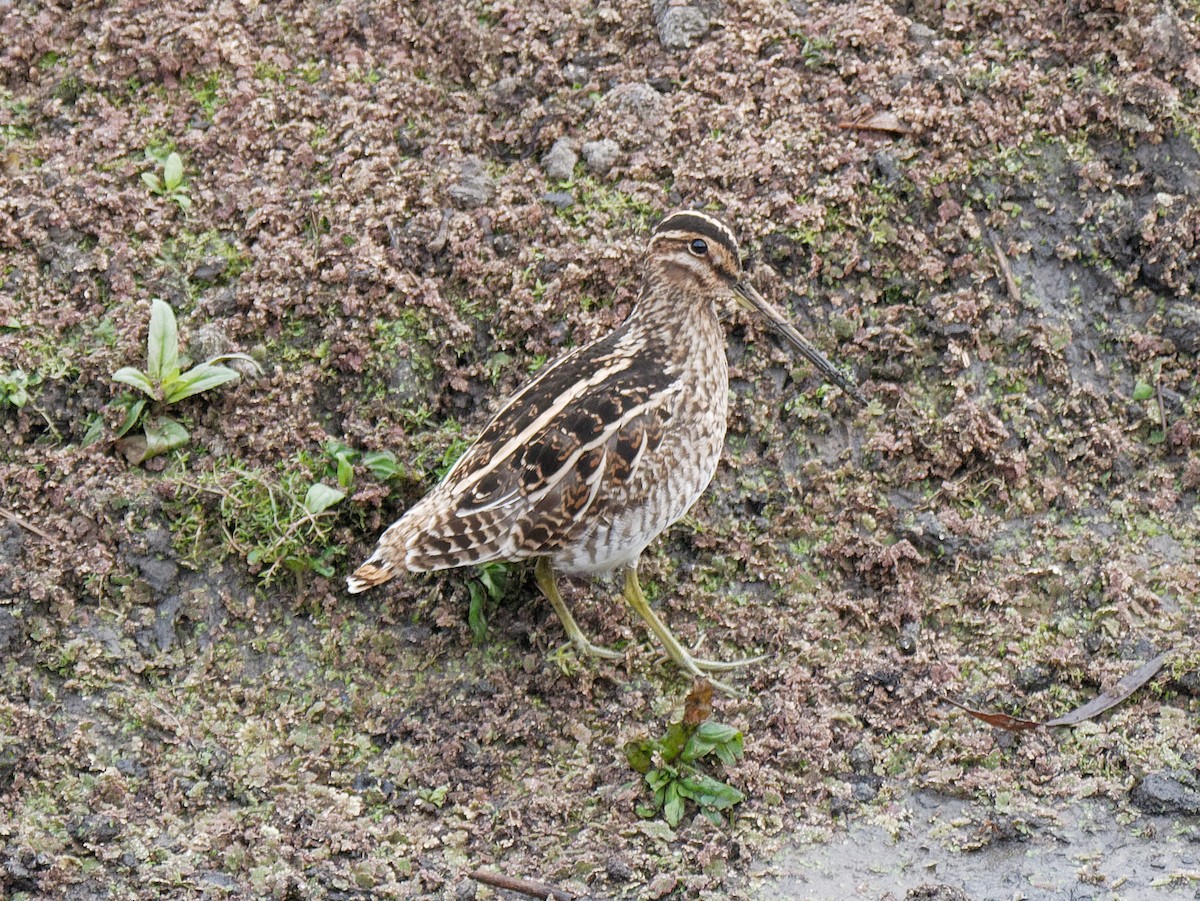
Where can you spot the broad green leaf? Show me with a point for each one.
(382, 464)
(135, 378)
(164, 434)
(710, 735)
(173, 171)
(158, 437)
(152, 182)
(185, 202)
(709, 792)
(321, 497)
(197, 379)
(162, 356)
(1142, 391)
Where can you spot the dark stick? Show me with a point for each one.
(525, 886)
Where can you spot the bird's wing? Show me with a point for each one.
(563, 446)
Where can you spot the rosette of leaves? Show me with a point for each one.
(164, 382)
(675, 765)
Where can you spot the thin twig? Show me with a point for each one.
(25, 524)
(1162, 409)
(526, 886)
(1011, 283)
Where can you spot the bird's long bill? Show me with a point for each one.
(752, 300)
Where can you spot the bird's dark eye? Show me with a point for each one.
(698, 247)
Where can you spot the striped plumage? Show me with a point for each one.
(604, 449)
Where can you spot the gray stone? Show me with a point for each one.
(559, 161)
(559, 199)
(1166, 792)
(600, 156)
(637, 98)
(473, 187)
(921, 35)
(680, 24)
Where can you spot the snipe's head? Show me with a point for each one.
(693, 254)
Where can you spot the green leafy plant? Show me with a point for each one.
(381, 464)
(486, 592)
(165, 381)
(674, 766)
(14, 387)
(277, 524)
(170, 182)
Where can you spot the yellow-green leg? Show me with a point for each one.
(543, 572)
(674, 648)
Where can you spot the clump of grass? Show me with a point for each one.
(166, 380)
(278, 524)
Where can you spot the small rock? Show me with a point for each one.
(209, 270)
(660, 885)
(618, 870)
(600, 156)
(159, 574)
(559, 161)
(639, 99)
(862, 761)
(921, 35)
(1166, 792)
(474, 188)
(10, 630)
(509, 91)
(930, 891)
(95, 829)
(560, 200)
(208, 340)
(679, 23)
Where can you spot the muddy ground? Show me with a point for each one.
(988, 210)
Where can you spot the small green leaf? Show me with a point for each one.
(476, 614)
(162, 352)
(173, 171)
(675, 740)
(135, 378)
(95, 429)
(185, 202)
(345, 472)
(673, 805)
(382, 464)
(197, 379)
(321, 497)
(640, 754)
(132, 415)
(152, 182)
(1142, 391)
(245, 358)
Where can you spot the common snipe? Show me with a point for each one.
(607, 447)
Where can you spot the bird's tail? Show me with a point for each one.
(374, 571)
